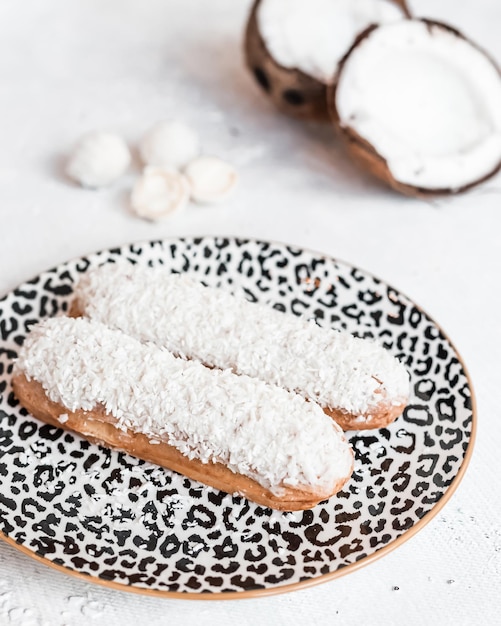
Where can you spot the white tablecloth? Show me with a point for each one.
(70, 67)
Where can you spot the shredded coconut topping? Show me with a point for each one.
(255, 429)
(330, 367)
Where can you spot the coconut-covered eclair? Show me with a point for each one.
(234, 433)
(356, 381)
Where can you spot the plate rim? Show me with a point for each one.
(302, 584)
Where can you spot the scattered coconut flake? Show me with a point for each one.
(427, 100)
(63, 418)
(98, 160)
(211, 179)
(253, 428)
(159, 192)
(313, 35)
(169, 144)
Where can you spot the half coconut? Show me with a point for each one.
(419, 106)
(293, 47)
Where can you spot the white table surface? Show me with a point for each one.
(67, 67)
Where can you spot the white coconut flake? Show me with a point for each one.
(427, 100)
(330, 367)
(213, 415)
(313, 35)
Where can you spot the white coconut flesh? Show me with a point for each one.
(313, 35)
(427, 100)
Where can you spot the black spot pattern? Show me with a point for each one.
(113, 517)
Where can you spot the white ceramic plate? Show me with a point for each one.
(118, 521)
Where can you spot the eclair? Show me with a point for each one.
(356, 381)
(231, 432)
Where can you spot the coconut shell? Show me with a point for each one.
(366, 155)
(293, 92)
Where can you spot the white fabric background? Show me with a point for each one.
(71, 66)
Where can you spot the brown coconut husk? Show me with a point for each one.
(292, 91)
(366, 155)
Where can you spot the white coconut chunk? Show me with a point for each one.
(427, 100)
(159, 192)
(211, 179)
(313, 35)
(98, 160)
(169, 144)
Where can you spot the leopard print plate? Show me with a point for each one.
(119, 521)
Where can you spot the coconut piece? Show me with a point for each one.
(211, 179)
(293, 47)
(159, 192)
(98, 160)
(419, 106)
(169, 144)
